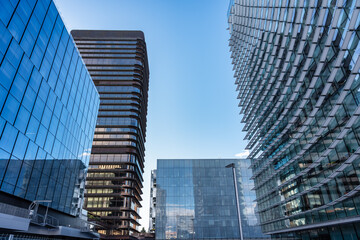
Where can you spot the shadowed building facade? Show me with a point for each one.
(152, 212)
(48, 112)
(296, 66)
(117, 62)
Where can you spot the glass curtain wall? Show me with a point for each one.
(196, 200)
(297, 66)
(48, 107)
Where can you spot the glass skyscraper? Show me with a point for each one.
(117, 62)
(195, 199)
(297, 66)
(48, 111)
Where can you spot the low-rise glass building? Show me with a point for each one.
(48, 110)
(195, 199)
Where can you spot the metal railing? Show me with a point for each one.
(40, 220)
(43, 220)
(89, 226)
(25, 213)
(12, 210)
(23, 237)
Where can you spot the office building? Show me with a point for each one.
(48, 111)
(117, 62)
(196, 200)
(296, 66)
(152, 217)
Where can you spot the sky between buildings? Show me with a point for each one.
(192, 111)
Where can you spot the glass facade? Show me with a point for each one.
(297, 66)
(48, 107)
(117, 62)
(152, 212)
(195, 199)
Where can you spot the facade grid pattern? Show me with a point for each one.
(296, 66)
(195, 199)
(48, 107)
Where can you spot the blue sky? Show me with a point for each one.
(192, 110)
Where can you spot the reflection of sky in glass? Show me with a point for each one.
(195, 199)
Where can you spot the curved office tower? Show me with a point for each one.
(117, 62)
(296, 66)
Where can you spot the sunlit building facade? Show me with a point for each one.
(117, 62)
(195, 199)
(296, 66)
(48, 111)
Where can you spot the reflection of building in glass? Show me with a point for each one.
(297, 69)
(196, 200)
(184, 226)
(160, 212)
(48, 106)
(117, 62)
(152, 202)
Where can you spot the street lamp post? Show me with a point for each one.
(232, 166)
(193, 232)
